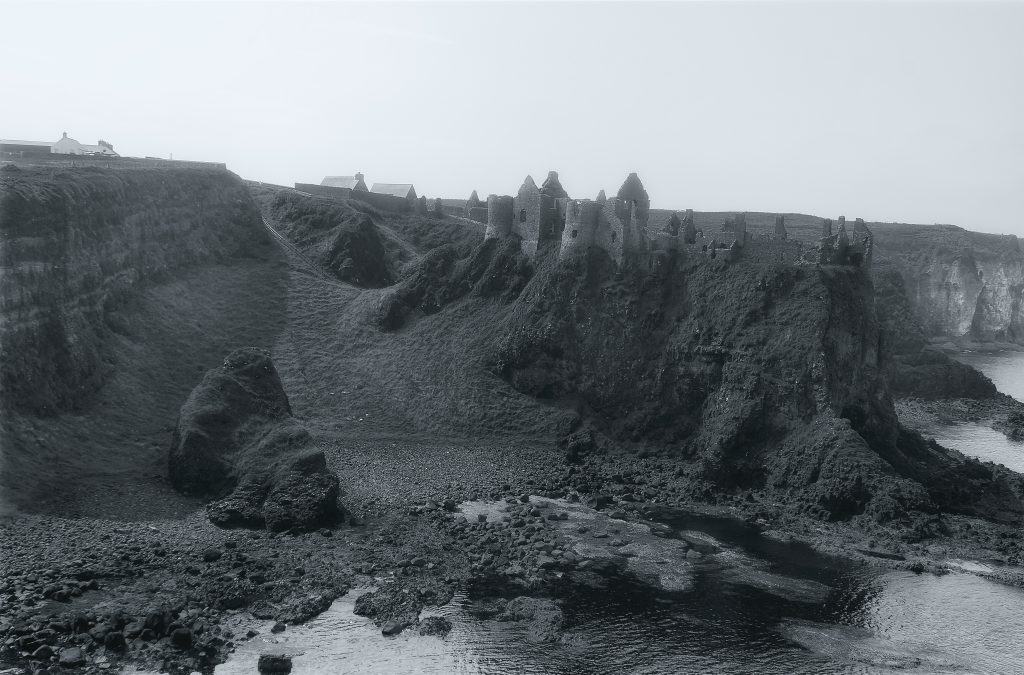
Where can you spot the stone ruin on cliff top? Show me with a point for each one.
(545, 215)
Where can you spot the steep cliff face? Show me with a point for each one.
(961, 284)
(763, 377)
(76, 242)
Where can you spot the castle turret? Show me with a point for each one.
(826, 228)
(632, 207)
(473, 202)
(601, 197)
(553, 188)
(582, 222)
(864, 242)
(527, 215)
(689, 228)
(499, 217)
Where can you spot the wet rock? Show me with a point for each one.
(72, 657)
(278, 628)
(544, 617)
(392, 628)
(274, 663)
(435, 625)
(212, 555)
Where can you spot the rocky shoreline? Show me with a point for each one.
(157, 595)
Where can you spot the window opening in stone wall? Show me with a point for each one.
(574, 233)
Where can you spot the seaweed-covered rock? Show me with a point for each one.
(236, 439)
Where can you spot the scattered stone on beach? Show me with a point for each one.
(274, 664)
(71, 657)
(392, 628)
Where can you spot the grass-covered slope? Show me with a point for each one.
(356, 242)
(119, 287)
(77, 242)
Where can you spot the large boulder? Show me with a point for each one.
(236, 441)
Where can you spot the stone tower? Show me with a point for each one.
(499, 217)
(689, 228)
(632, 206)
(780, 227)
(552, 187)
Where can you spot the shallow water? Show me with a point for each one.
(981, 441)
(1004, 368)
(731, 620)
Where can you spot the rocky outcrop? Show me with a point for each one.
(494, 269)
(235, 436)
(760, 377)
(343, 240)
(77, 242)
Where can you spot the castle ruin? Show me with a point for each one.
(543, 217)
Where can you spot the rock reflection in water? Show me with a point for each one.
(756, 604)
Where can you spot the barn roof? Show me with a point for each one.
(7, 141)
(393, 189)
(349, 182)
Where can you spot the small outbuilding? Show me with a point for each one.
(14, 148)
(355, 182)
(403, 190)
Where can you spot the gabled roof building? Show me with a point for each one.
(355, 182)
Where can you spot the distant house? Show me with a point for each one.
(24, 148)
(403, 190)
(69, 146)
(350, 182)
(65, 146)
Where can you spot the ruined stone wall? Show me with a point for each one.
(773, 250)
(581, 222)
(499, 216)
(552, 218)
(382, 202)
(460, 211)
(478, 213)
(665, 241)
(324, 190)
(611, 232)
(528, 209)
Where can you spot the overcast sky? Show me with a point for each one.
(907, 111)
